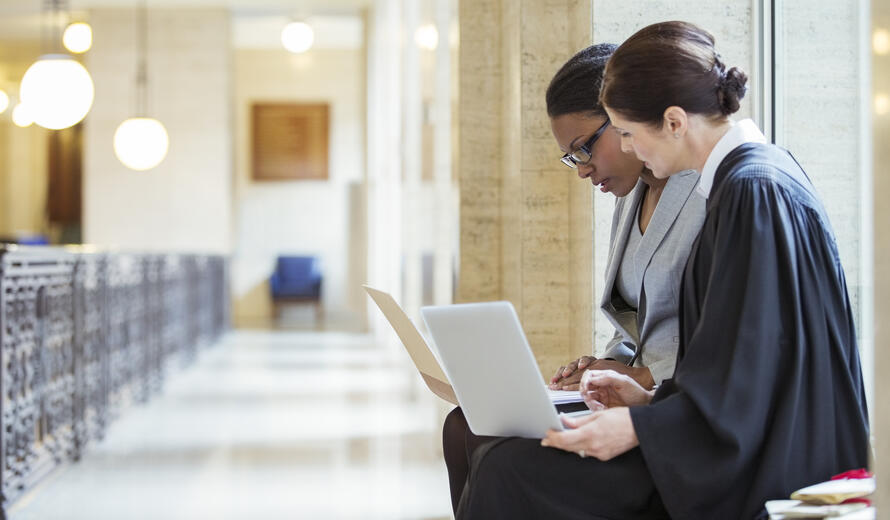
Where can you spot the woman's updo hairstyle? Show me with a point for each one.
(576, 86)
(671, 64)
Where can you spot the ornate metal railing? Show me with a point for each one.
(83, 334)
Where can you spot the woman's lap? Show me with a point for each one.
(458, 444)
(518, 478)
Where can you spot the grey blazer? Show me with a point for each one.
(650, 335)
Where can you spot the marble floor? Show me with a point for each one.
(266, 425)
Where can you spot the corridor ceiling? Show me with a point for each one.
(20, 20)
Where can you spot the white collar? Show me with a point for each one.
(744, 131)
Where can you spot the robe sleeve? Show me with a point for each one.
(702, 434)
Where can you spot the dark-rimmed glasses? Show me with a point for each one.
(582, 155)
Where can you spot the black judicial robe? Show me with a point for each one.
(767, 396)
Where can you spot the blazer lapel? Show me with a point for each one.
(676, 191)
(626, 220)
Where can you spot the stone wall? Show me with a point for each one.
(525, 220)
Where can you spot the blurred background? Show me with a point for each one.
(205, 71)
(192, 193)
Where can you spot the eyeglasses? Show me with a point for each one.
(582, 155)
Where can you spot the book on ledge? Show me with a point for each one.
(842, 497)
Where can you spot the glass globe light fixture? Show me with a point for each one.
(141, 143)
(78, 37)
(880, 41)
(4, 101)
(21, 116)
(58, 91)
(297, 37)
(882, 104)
(427, 37)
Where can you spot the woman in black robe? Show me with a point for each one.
(767, 395)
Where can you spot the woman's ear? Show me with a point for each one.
(676, 121)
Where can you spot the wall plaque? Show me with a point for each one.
(290, 141)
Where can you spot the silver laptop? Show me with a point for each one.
(425, 360)
(491, 367)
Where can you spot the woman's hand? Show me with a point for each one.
(569, 376)
(641, 374)
(608, 389)
(604, 435)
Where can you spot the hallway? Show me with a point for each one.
(265, 425)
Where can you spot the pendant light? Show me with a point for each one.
(427, 37)
(57, 90)
(297, 37)
(141, 142)
(78, 37)
(21, 117)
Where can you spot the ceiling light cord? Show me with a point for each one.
(142, 63)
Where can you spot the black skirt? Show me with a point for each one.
(518, 478)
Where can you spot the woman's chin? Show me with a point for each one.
(658, 173)
(622, 191)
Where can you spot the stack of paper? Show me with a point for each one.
(787, 509)
(835, 491)
(829, 499)
(564, 396)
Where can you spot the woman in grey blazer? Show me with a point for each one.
(653, 227)
(645, 316)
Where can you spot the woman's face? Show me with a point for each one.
(658, 149)
(609, 168)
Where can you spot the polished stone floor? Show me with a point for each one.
(266, 425)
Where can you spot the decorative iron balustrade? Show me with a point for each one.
(84, 334)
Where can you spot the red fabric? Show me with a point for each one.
(853, 474)
(859, 500)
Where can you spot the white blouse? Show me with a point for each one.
(626, 279)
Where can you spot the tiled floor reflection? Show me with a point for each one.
(266, 425)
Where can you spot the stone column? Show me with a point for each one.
(444, 184)
(525, 220)
(384, 158)
(412, 106)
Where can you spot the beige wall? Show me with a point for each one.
(301, 217)
(23, 152)
(525, 221)
(23, 179)
(880, 16)
(480, 120)
(185, 202)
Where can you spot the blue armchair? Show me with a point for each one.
(296, 279)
